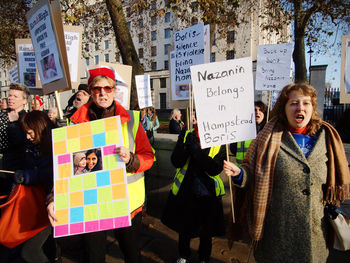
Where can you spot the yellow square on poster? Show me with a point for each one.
(119, 191)
(112, 137)
(110, 124)
(61, 186)
(76, 199)
(62, 217)
(59, 134)
(86, 142)
(97, 126)
(60, 147)
(85, 129)
(72, 132)
(61, 201)
(117, 176)
(106, 210)
(64, 170)
(73, 145)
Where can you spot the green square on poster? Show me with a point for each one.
(120, 208)
(89, 181)
(106, 210)
(97, 126)
(61, 201)
(75, 183)
(104, 194)
(110, 162)
(90, 212)
(59, 134)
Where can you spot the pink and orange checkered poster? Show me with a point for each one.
(89, 178)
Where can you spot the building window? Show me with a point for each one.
(0, 84)
(129, 25)
(162, 100)
(86, 23)
(153, 20)
(128, 12)
(166, 64)
(167, 17)
(166, 49)
(87, 62)
(230, 55)
(97, 60)
(167, 33)
(154, 35)
(214, 40)
(162, 83)
(5, 82)
(140, 37)
(106, 44)
(153, 51)
(212, 57)
(87, 47)
(117, 57)
(230, 37)
(106, 57)
(140, 52)
(194, 21)
(154, 65)
(154, 5)
(97, 47)
(106, 31)
(194, 7)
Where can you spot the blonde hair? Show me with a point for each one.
(174, 113)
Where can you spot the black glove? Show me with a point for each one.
(192, 143)
(18, 177)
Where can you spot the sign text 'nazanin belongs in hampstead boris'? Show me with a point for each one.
(224, 98)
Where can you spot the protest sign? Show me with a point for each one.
(273, 68)
(27, 73)
(345, 70)
(143, 86)
(123, 74)
(46, 30)
(188, 50)
(13, 72)
(89, 196)
(72, 35)
(224, 99)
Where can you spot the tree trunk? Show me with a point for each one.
(299, 45)
(125, 45)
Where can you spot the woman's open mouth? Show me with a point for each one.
(299, 118)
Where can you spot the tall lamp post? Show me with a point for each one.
(310, 52)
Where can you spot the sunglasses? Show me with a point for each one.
(97, 89)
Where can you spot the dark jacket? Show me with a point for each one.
(175, 126)
(186, 213)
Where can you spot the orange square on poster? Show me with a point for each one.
(76, 199)
(62, 217)
(86, 142)
(117, 176)
(60, 147)
(61, 186)
(118, 191)
(85, 129)
(72, 132)
(64, 170)
(111, 124)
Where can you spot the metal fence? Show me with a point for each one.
(332, 109)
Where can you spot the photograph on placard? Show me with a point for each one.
(87, 161)
(49, 66)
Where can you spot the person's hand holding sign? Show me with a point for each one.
(123, 153)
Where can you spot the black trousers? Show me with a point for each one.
(204, 250)
(128, 239)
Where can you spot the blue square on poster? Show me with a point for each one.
(76, 214)
(99, 140)
(103, 178)
(90, 197)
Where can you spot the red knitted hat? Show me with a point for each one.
(39, 100)
(93, 73)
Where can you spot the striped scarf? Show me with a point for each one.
(260, 162)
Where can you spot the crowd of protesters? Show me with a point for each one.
(284, 177)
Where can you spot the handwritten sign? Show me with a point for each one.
(189, 50)
(73, 40)
(27, 65)
(224, 99)
(143, 86)
(347, 65)
(274, 66)
(44, 43)
(13, 72)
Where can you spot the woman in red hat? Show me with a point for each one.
(136, 153)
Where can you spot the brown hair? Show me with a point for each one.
(18, 86)
(40, 123)
(154, 113)
(279, 109)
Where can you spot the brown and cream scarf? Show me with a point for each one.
(260, 162)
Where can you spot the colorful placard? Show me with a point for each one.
(90, 184)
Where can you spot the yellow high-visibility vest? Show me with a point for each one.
(180, 174)
(242, 148)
